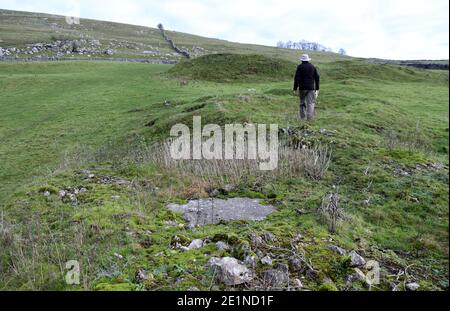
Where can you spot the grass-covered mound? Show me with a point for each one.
(234, 67)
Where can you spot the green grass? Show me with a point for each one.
(60, 117)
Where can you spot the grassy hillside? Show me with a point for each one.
(389, 163)
(17, 29)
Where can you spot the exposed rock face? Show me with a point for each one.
(61, 47)
(204, 212)
(230, 271)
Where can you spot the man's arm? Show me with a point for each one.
(317, 79)
(297, 79)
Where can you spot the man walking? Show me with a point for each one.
(306, 84)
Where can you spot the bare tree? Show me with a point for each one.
(342, 51)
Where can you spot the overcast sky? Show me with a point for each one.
(395, 29)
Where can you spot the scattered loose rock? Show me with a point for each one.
(337, 249)
(251, 261)
(143, 275)
(256, 240)
(121, 182)
(266, 260)
(358, 275)
(298, 283)
(268, 237)
(312, 275)
(295, 263)
(259, 253)
(109, 52)
(222, 246)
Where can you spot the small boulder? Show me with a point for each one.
(227, 189)
(251, 261)
(268, 237)
(412, 286)
(312, 275)
(266, 260)
(277, 277)
(121, 182)
(143, 275)
(230, 271)
(295, 263)
(356, 260)
(358, 275)
(196, 244)
(259, 253)
(298, 283)
(256, 240)
(337, 249)
(222, 246)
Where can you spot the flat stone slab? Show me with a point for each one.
(212, 211)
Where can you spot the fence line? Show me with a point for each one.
(56, 58)
(172, 44)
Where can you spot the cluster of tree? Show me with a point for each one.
(307, 46)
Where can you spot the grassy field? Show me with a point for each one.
(387, 127)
